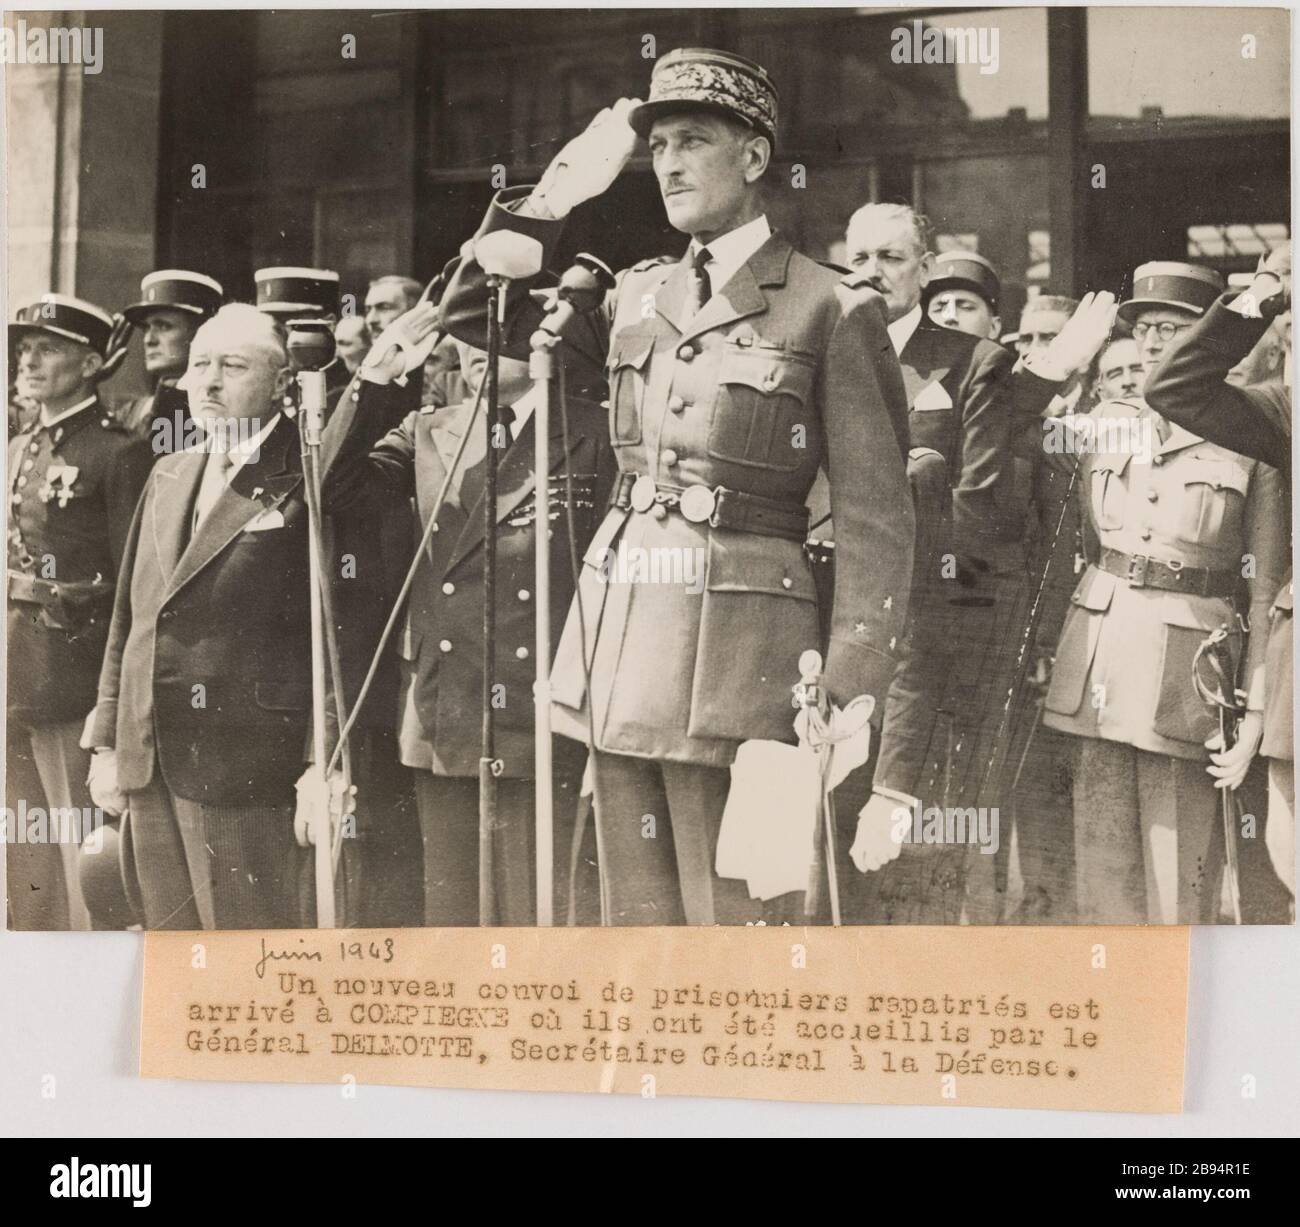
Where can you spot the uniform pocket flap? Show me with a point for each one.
(630, 349)
(1094, 591)
(1212, 471)
(742, 562)
(771, 376)
(1113, 462)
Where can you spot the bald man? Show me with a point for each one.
(205, 693)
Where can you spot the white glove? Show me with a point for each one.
(847, 731)
(589, 163)
(403, 345)
(319, 802)
(1229, 767)
(102, 779)
(882, 826)
(1086, 331)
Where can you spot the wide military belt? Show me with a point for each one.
(1141, 571)
(713, 505)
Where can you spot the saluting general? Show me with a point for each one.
(735, 374)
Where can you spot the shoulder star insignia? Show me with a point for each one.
(860, 628)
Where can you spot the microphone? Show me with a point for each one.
(582, 289)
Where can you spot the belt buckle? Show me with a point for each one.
(643, 493)
(1137, 570)
(697, 503)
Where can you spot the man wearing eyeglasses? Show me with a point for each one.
(1192, 538)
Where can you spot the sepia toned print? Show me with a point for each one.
(617, 468)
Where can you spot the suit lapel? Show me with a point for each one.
(743, 295)
(176, 485)
(670, 297)
(256, 487)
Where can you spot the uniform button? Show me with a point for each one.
(435, 526)
(1157, 460)
(27, 464)
(22, 481)
(448, 588)
(670, 456)
(676, 404)
(524, 594)
(522, 653)
(1146, 534)
(786, 582)
(686, 353)
(17, 498)
(1152, 496)
(35, 447)
(444, 646)
(659, 511)
(167, 614)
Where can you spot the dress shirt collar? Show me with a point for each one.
(729, 251)
(900, 331)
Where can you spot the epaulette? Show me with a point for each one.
(654, 262)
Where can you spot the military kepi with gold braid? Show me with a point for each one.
(697, 78)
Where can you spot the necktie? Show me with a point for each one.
(700, 288)
(213, 482)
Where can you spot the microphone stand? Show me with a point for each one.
(504, 257)
(324, 647)
(582, 289)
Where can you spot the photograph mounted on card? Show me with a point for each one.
(501, 587)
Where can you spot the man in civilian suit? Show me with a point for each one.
(205, 693)
(959, 400)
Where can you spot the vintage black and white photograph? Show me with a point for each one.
(746, 466)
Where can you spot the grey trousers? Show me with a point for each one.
(46, 767)
(1145, 842)
(657, 825)
(194, 865)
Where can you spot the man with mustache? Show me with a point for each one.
(75, 475)
(958, 391)
(735, 375)
(205, 693)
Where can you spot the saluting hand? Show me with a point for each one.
(1087, 330)
(588, 164)
(403, 345)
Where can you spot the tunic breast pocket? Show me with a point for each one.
(761, 413)
(629, 373)
(1213, 499)
(1107, 492)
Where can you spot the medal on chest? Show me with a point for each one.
(59, 480)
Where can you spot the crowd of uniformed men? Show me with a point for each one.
(1024, 549)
